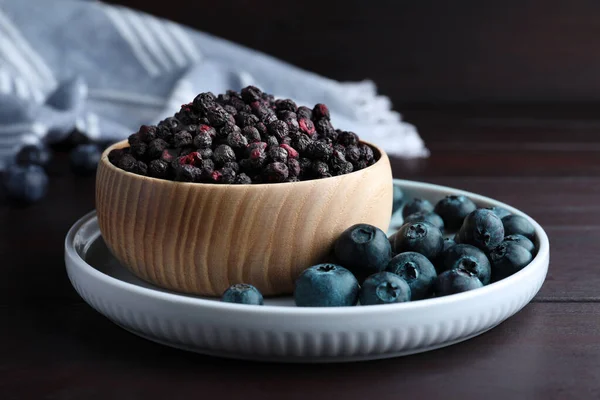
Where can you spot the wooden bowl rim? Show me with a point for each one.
(124, 143)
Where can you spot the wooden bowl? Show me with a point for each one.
(201, 238)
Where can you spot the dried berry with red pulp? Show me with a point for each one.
(292, 153)
(320, 111)
(276, 172)
(168, 155)
(306, 126)
(193, 158)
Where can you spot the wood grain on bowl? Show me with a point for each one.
(202, 238)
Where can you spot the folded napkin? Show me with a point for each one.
(106, 70)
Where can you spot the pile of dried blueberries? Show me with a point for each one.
(243, 138)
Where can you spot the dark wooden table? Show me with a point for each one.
(544, 160)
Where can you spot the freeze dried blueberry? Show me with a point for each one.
(171, 123)
(115, 155)
(155, 148)
(205, 153)
(128, 163)
(292, 179)
(324, 127)
(366, 152)
(184, 151)
(202, 140)
(251, 134)
(352, 153)
(227, 175)
(182, 138)
(337, 159)
(138, 149)
(286, 105)
(244, 119)
(304, 112)
(293, 167)
(262, 129)
(251, 94)
(343, 169)
(277, 154)
(158, 169)
(306, 126)
(360, 164)
(305, 165)
(320, 111)
(217, 116)
(134, 139)
(237, 103)
(276, 172)
(320, 169)
(272, 141)
(223, 154)
(164, 133)
(223, 98)
(207, 167)
(242, 179)
(347, 138)
(291, 119)
(257, 157)
(204, 101)
(236, 140)
(187, 173)
(301, 143)
(142, 168)
(226, 130)
(231, 110)
(319, 150)
(277, 128)
(147, 133)
(233, 165)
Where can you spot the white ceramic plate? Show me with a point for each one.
(279, 331)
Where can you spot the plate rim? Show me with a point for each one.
(539, 262)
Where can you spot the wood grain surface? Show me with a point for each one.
(202, 238)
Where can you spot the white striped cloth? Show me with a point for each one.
(106, 70)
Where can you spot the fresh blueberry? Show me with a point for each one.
(456, 281)
(421, 237)
(243, 293)
(417, 205)
(454, 209)
(470, 258)
(363, 249)
(84, 159)
(521, 241)
(499, 211)
(37, 155)
(517, 225)
(398, 198)
(507, 259)
(448, 243)
(384, 288)
(326, 285)
(430, 217)
(417, 271)
(481, 228)
(26, 184)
